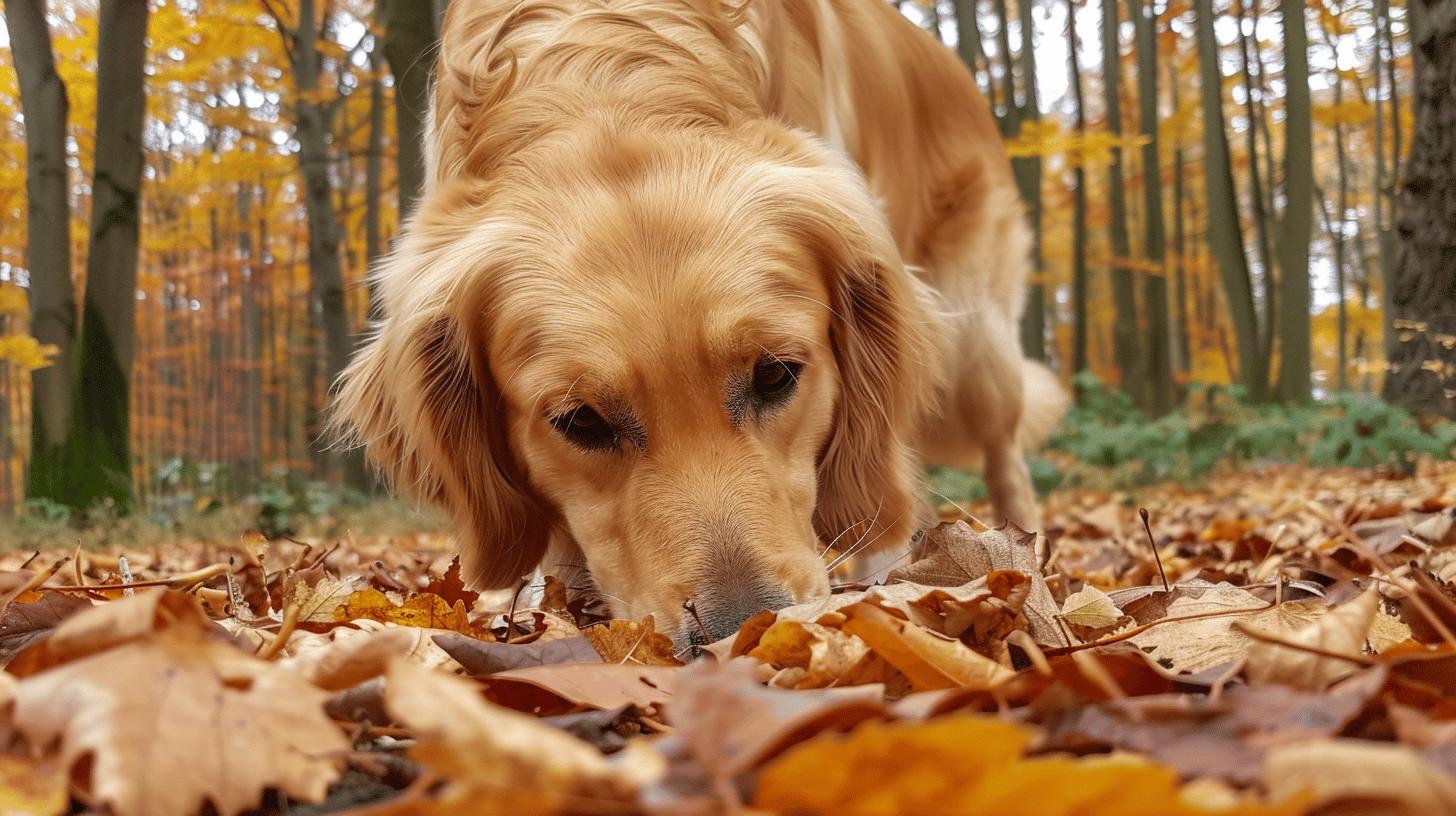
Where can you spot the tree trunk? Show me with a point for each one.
(1342, 208)
(1384, 200)
(1184, 356)
(1158, 370)
(1125, 329)
(373, 170)
(1294, 300)
(96, 461)
(968, 39)
(409, 38)
(1225, 234)
(1262, 214)
(1423, 293)
(1079, 207)
(1028, 176)
(48, 249)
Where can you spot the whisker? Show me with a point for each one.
(968, 514)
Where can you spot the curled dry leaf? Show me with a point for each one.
(1210, 639)
(171, 717)
(1341, 631)
(954, 554)
(496, 761)
(810, 655)
(928, 660)
(1372, 779)
(562, 687)
(423, 611)
(25, 624)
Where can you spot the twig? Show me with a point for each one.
(1143, 513)
(76, 566)
(511, 615)
(30, 560)
(692, 609)
(1134, 632)
(183, 580)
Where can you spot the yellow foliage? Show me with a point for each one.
(13, 300)
(25, 352)
(1047, 138)
(972, 764)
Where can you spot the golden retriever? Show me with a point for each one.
(694, 291)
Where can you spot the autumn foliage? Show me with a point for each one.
(1298, 659)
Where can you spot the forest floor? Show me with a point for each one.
(1287, 645)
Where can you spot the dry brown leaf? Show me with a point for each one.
(344, 657)
(732, 723)
(1369, 778)
(555, 689)
(496, 761)
(423, 611)
(954, 554)
(1090, 607)
(483, 657)
(25, 624)
(825, 656)
(1191, 646)
(929, 661)
(628, 641)
(1342, 630)
(172, 717)
(451, 587)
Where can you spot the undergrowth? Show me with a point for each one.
(1105, 441)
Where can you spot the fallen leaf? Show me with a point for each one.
(172, 718)
(422, 611)
(451, 587)
(1369, 778)
(483, 657)
(954, 554)
(496, 761)
(558, 688)
(823, 656)
(1340, 631)
(1201, 643)
(32, 787)
(964, 764)
(930, 662)
(732, 724)
(628, 641)
(24, 624)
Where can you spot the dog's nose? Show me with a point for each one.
(714, 617)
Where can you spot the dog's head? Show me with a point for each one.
(696, 357)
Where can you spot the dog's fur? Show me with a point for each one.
(632, 203)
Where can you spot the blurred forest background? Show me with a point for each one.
(1231, 220)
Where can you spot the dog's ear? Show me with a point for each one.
(420, 399)
(888, 360)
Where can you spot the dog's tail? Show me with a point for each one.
(1044, 403)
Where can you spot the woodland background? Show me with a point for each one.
(1227, 207)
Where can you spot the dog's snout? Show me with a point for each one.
(718, 617)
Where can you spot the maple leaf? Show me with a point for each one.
(624, 641)
(451, 587)
(171, 717)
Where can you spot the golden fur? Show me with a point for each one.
(630, 205)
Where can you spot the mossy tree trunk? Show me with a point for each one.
(48, 250)
(96, 459)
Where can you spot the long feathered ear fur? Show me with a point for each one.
(420, 399)
(888, 354)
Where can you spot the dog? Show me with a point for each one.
(693, 293)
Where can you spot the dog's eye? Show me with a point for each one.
(584, 427)
(774, 380)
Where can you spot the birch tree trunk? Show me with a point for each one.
(48, 226)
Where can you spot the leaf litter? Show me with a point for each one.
(1277, 642)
